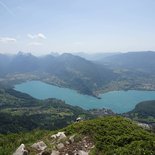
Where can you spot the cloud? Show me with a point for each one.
(7, 40)
(36, 36)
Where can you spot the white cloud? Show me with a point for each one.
(36, 36)
(7, 40)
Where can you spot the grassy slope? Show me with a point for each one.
(111, 135)
(116, 135)
(144, 111)
(20, 112)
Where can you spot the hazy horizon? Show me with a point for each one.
(90, 26)
(82, 54)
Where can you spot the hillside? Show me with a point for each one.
(144, 112)
(20, 112)
(135, 70)
(65, 70)
(138, 61)
(125, 71)
(107, 135)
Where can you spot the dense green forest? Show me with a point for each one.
(144, 112)
(110, 135)
(20, 112)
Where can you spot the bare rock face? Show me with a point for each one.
(59, 136)
(21, 150)
(39, 146)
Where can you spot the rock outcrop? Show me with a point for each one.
(21, 150)
(39, 146)
(59, 144)
(59, 136)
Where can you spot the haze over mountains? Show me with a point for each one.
(122, 71)
(71, 71)
(139, 61)
(107, 72)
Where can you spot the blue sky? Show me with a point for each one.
(43, 26)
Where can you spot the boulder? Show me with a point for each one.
(59, 136)
(40, 146)
(21, 150)
(60, 146)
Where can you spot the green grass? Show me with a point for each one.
(111, 135)
(115, 135)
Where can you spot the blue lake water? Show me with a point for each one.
(118, 101)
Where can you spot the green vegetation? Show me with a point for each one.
(115, 135)
(144, 112)
(66, 70)
(117, 72)
(9, 142)
(20, 112)
(111, 135)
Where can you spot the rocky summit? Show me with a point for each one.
(106, 135)
(61, 145)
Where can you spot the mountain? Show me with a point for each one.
(96, 56)
(105, 135)
(143, 112)
(125, 71)
(64, 70)
(22, 63)
(79, 73)
(4, 63)
(139, 61)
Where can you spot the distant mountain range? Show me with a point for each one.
(74, 71)
(119, 71)
(139, 61)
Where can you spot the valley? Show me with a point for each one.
(117, 101)
(49, 93)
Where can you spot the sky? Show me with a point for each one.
(45, 26)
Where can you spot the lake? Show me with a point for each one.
(117, 101)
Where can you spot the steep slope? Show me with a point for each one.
(22, 63)
(65, 70)
(20, 112)
(79, 73)
(109, 135)
(144, 112)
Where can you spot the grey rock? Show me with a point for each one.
(54, 152)
(81, 152)
(71, 138)
(67, 142)
(59, 136)
(60, 146)
(144, 125)
(40, 146)
(21, 150)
